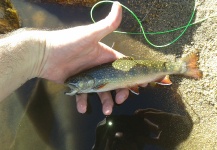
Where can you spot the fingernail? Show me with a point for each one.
(114, 6)
(120, 98)
(116, 2)
(107, 109)
(107, 112)
(81, 108)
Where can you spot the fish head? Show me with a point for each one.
(80, 84)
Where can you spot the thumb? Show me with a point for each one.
(109, 24)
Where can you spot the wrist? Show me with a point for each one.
(34, 46)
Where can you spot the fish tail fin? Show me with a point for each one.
(191, 68)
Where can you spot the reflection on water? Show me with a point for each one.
(40, 116)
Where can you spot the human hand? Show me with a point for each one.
(73, 50)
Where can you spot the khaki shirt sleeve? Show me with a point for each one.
(21, 55)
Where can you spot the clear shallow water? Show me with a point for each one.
(40, 116)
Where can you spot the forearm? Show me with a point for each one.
(21, 54)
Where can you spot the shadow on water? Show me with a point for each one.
(39, 112)
(139, 124)
(146, 129)
(54, 115)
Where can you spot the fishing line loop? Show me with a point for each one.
(184, 28)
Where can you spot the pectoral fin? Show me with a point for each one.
(165, 81)
(134, 90)
(100, 86)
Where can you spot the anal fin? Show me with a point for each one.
(165, 81)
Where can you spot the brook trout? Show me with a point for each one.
(130, 73)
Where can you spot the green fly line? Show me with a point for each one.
(152, 33)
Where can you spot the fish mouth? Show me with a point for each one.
(73, 89)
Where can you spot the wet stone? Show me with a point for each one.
(9, 20)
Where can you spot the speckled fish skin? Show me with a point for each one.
(127, 72)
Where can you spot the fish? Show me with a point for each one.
(131, 73)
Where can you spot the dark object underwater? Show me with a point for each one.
(145, 127)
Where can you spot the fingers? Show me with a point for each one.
(107, 102)
(81, 103)
(121, 95)
(109, 24)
